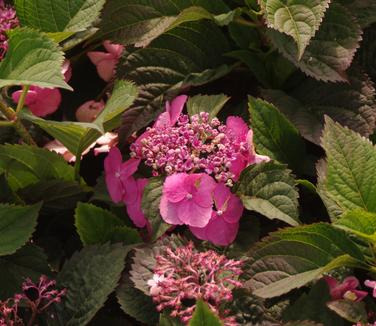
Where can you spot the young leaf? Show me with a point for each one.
(203, 316)
(293, 257)
(206, 103)
(29, 261)
(26, 165)
(351, 160)
(331, 51)
(67, 16)
(90, 275)
(150, 206)
(97, 226)
(17, 223)
(298, 19)
(269, 189)
(130, 22)
(32, 59)
(274, 135)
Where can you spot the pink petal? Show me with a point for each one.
(199, 233)
(67, 70)
(221, 233)
(238, 165)
(176, 108)
(204, 194)
(192, 214)
(169, 211)
(96, 56)
(89, 111)
(131, 190)
(234, 210)
(115, 49)
(115, 187)
(253, 157)
(237, 128)
(135, 210)
(106, 69)
(113, 161)
(46, 102)
(163, 121)
(129, 167)
(174, 188)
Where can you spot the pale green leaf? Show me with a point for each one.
(349, 310)
(58, 15)
(298, 19)
(32, 59)
(17, 223)
(269, 189)
(203, 316)
(206, 103)
(292, 257)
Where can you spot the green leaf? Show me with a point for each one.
(360, 223)
(269, 189)
(203, 316)
(351, 104)
(55, 194)
(17, 223)
(30, 261)
(313, 306)
(166, 320)
(274, 135)
(58, 15)
(296, 18)
(78, 136)
(330, 52)
(150, 206)
(140, 21)
(32, 59)
(97, 226)
(26, 165)
(7, 195)
(170, 64)
(292, 257)
(363, 10)
(206, 103)
(349, 310)
(90, 276)
(349, 180)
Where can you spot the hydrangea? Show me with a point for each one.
(184, 275)
(346, 289)
(8, 20)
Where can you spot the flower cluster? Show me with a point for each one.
(8, 20)
(197, 144)
(36, 296)
(184, 275)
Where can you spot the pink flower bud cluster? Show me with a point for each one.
(195, 144)
(184, 275)
(8, 20)
(36, 296)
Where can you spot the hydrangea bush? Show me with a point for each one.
(187, 162)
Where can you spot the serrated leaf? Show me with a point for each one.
(298, 19)
(150, 206)
(58, 15)
(96, 225)
(78, 136)
(203, 316)
(330, 52)
(32, 59)
(269, 189)
(349, 310)
(17, 223)
(206, 103)
(351, 160)
(7, 195)
(351, 104)
(29, 261)
(292, 257)
(170, 64)
(90, 276)
(140, 21)
(360, 223)
(25, 165)
(274, 135)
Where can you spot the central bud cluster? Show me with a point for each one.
(195, 144)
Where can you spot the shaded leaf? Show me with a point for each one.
(349, 310)
(206, 103)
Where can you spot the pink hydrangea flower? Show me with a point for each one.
(118, 176)
(187, 199)
(183, 274)
(133, 203)
(8, 20)
(89, 111)
(106, 61)
(224, 223)
(172, 113)
(44, 101)
(372, 285)
(106, 142)
(346, 289)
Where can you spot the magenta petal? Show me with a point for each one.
(131, 190)
(162, 121)
(113, 48)
(176, 108)
(113, 160)
(46, 102)
(234, 210)
(106, 69)
(221, 233)
(169, 211)
(221, 195)
(238, 165)
(128, 168)
(237, 127)
(199, 233)
(174, 187)
(204, 195)
(135, 209)
(192, 214)
(96, 56)
(115, 188)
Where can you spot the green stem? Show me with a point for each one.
(21, 101)
(77, 166)
(6, 124)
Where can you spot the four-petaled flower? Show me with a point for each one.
(346, 289)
